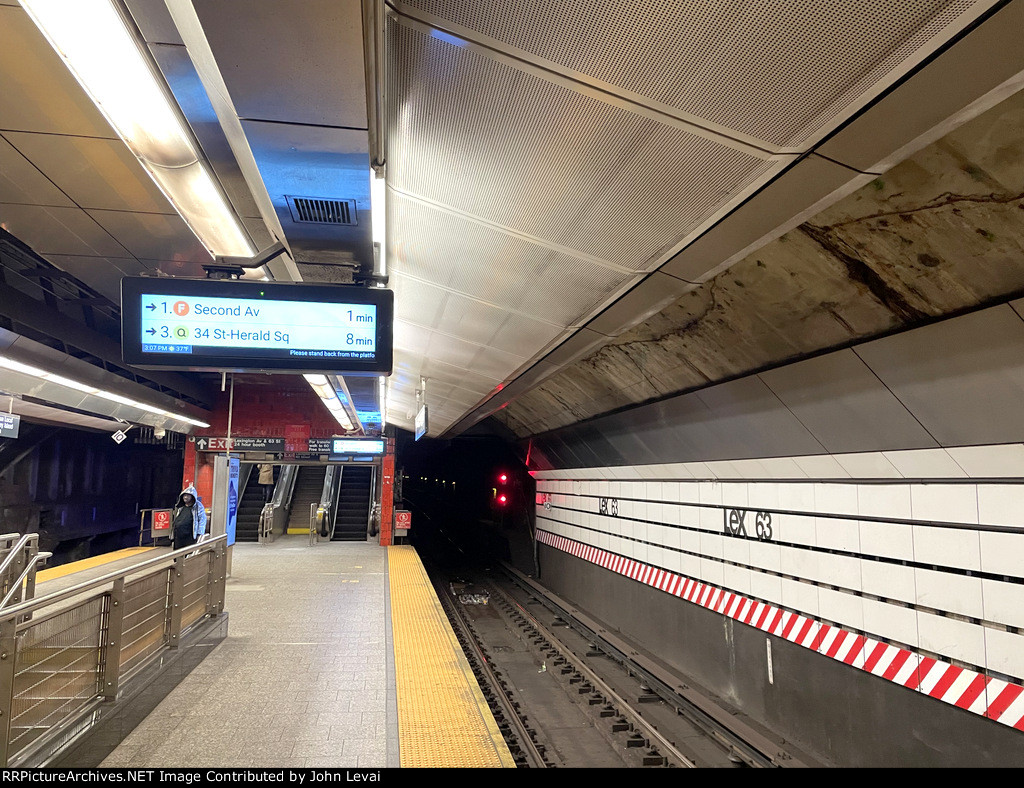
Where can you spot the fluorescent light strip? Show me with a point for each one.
(326, 392)
(51, 377)
(108, 62)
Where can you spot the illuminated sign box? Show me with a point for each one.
(206, 324)
(421, 422)
(356, 446)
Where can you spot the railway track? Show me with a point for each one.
(567, 693)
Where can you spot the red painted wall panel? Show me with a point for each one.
(265, 406)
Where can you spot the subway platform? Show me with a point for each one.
(336, 655)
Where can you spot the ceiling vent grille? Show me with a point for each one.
(315, 210)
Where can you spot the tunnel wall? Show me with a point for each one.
(846, 716)
(864, 509)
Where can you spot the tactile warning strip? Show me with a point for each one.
(88, 563)
(443, 719)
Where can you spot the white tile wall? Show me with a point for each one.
(1001, 504)
(888, 580)
(711, 544)
(843, 608)
(1003, 602)
(1005, 652)
(689, 540)
(925, 464)
(736, 578)
(794, 528)
(737, 550)
(765, 555)
(891, 501)
(838, 534)
(766, 587)
(689, 565)
(798, 562)
(710, 492)
(890, 622)
(660, 534)
(868, 465)
(949, 592)
(951, 637)
(796, 497)
(802, 597)
(821, 466)
(735, 495)
(990, 461)
(889, 540)
(946, 546)
(763, 495)
(689, 492)
(835, 498)
(945, 503)
(689, 515)
(1002, 553)
(840, 570)
(712, 572)
(783, 468)
(712, 519)
(699, 470)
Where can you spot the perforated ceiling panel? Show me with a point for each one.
(779, 72)
(542, 158)
(548, 161)
(526, 277)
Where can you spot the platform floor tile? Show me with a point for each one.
(302, 680)
(443, 718)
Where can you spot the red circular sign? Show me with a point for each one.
(162, 520)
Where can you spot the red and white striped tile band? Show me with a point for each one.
(966, 689)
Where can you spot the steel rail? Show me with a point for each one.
(624, 706)
(525, 741)
(747, 743)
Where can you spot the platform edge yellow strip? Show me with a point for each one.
(88, 563)
(417, 618)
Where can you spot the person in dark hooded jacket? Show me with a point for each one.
(188, 519)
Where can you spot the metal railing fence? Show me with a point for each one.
(64, 653)
(19, 559)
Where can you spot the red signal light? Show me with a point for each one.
(502, 499)
(503, 477)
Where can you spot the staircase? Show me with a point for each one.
(309, 485)
(247, 521)
(352, 516)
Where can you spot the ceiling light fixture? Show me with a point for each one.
(323, 388)
(50, 377)
(93, 39)
(378, 192)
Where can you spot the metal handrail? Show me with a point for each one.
(25, 556)
(265, 532)
(85, 645)
(87, 585)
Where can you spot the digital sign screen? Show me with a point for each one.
(198, 324)
(357, 446)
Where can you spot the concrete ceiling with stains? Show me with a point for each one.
(938, 234)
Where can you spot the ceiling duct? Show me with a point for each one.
(316, 210)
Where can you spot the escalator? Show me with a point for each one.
(308, 488)
(353, 513)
